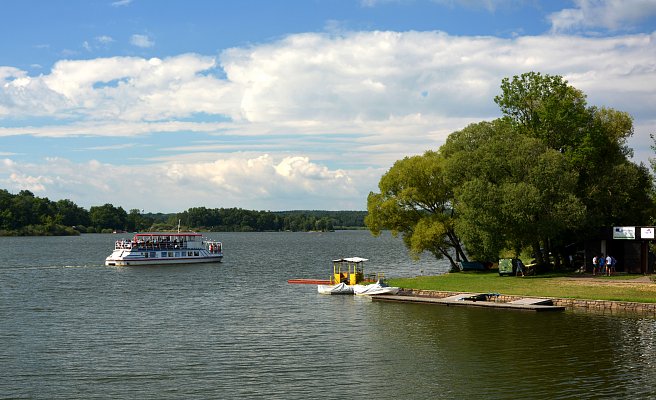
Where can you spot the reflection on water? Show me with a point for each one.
(72, 328)
(524, 355)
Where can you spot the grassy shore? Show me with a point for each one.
(633, 288)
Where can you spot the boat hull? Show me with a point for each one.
(160, 261)
(335, 289)
(373, 290)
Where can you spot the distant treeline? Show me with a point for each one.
(239, 220)
(26, 214)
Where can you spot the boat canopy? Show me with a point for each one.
(166, 237)
(351, 259)
(172, 234)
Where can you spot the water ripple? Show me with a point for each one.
(73, 329)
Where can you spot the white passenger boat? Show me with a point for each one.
(165, 248)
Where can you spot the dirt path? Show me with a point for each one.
(588, 279)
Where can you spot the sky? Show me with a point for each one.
(284, 105)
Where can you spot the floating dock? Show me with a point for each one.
(475, 300)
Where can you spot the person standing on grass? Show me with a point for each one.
(595, 264)
(610, 265)
(520, 267)
(602, 264)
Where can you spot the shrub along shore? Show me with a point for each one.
(621, 287)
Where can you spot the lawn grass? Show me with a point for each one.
(618, 288)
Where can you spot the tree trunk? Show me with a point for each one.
(455, 241)
(538, 253)
(454, 265)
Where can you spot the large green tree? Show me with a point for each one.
(415, 201)
(545, 107)
(552, 171)
(511, 190)
(70, 214)
(593, 140)
(108, 216)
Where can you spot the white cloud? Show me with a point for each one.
(8, 74)
(32, 183)
(104, 39)
(614, 15)
(141, 41)
(99, 42)
(335, 110)
(373, 83)
(401, 86)
(117, 89)
(235, 181)
(121, 3)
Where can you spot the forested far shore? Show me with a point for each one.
(25, 214)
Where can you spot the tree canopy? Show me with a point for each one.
(593, 140)
(415, 200)
(512, 191)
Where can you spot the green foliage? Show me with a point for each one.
(108, 217)
(240, 220)
(138, 222)
(614, 190)
(544, 107)
(550, 172)
(415, 200)
(511, 189)
(25, 214)
(71, 214)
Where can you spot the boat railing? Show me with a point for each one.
(123, 244)
(148, 245)
(213, 246)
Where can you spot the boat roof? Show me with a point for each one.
(352, 259)
(169, 234)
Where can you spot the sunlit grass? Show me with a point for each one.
(549, 285)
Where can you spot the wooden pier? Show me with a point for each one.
(475, 300)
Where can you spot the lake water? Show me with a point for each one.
(71, 328)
